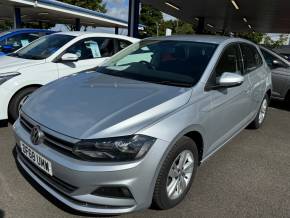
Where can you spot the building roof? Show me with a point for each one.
(96, 34)
(52, 11)
(261, 15)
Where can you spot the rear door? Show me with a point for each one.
(229, 110)
(91, 52)
(256, 74)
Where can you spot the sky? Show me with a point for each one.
(117, 8)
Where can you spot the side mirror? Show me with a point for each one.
(228, 80)
(69, 57)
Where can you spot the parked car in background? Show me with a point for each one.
(13, 40)
(50, 58)
(110, 140)
(283, 51)
(280, 68)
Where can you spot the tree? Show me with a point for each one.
(252, 36)
(152, 19)
(268, 42)
(179, 27)
(95, 5)
(6, 25)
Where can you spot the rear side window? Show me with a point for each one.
(252, 58)
(230, 61)
(122, 44)
(269, 58)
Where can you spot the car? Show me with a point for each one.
(284, 51)
(280, 68)
(13, 40)
(133, 131)
(48, 59)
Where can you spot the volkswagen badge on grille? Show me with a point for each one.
(36, 135)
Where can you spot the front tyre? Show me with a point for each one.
(17, 101)
(260, 118)
(176, 174)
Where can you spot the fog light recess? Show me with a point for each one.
(113, 192)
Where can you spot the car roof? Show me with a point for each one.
(200, 38)
(95, 34)
(194, 38)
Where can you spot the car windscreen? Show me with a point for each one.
(168, 62)
(43, 47)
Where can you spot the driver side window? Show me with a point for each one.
(229, 62)
(91, 48)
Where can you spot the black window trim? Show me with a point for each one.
(209, 86)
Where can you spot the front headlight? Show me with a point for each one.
(6, 76)
(125, 148)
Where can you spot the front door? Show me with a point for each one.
(230, 107)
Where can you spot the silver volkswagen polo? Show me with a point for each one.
(134, 131)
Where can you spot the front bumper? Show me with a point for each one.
(4, 123)
(74, 180)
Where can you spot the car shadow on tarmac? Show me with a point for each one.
(46, 194)
(281, 105)
(2, 213)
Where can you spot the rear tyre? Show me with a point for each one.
(260, 118)
(176, 174)
(17, 101)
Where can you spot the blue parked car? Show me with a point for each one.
(13, 40)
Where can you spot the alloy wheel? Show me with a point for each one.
(263, 111)
(180, 174)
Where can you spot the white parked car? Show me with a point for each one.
(48, 59)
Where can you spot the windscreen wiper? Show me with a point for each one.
(172, 83)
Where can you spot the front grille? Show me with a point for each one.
(51, 141)
(51, 181)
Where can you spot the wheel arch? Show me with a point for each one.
(269, 93)
(18, 91)
(198, 139)
(287, 96)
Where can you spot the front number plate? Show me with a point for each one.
(36, 158)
